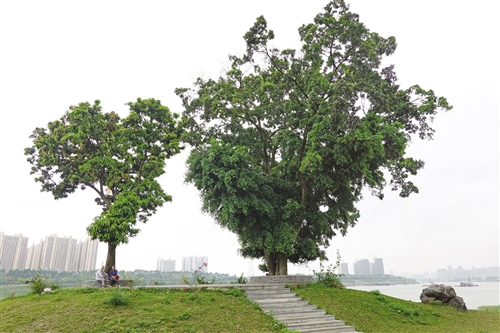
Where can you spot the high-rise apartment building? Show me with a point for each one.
(165, 265)
(52, 253)
(88, 255)
(195, 263)
(344, 268)
(13, 251)
(362, 267)
(377, 267)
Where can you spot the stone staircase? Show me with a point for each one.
(293, 311)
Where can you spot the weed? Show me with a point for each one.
(184, 316)
(328, 277)
(117, 298)
(234, 292)
(382, 298)
(276, 325)
(240, 280)
(256, 306)
(407, 312)
(375, 292)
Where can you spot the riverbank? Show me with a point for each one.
(157, 310)
(485, 294)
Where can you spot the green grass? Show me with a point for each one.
(374, 312)
(495, 308)
(161, 310)
(142, 310)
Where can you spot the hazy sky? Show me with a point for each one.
(54, 54)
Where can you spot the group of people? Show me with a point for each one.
(111, 276)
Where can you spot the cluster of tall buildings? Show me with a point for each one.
(364, 267)
(459, 272)
(63, 254)
(192, 263)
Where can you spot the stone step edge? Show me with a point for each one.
(333, 323)
(303, 319)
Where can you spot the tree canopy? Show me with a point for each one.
(285, 141)
(119, 159)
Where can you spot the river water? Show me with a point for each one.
(486, 293)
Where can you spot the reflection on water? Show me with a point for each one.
(486, 293)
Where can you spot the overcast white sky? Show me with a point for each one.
(54, 54)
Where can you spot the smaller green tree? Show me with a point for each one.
(119, 159)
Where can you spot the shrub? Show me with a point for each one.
(328, 277)
(241, 280)
(117, 298)
(36, 283)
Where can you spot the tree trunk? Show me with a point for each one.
(282, 265)
(277, 264)
(110, 258)
(271, 264)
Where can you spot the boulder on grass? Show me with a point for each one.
(443, 294)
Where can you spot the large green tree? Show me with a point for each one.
(285, 141)
(119, 159)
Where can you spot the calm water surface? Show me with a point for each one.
(487, 293)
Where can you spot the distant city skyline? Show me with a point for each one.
(32, 255)
(63, 254)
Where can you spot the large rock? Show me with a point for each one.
(458, 302)
(444, 294)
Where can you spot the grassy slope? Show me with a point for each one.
(89, 310)
(160, 310)
(372, 312)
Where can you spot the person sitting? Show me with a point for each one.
(100, 275)
(113, 275)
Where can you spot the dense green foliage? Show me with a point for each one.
(285, 141)
(119, 159)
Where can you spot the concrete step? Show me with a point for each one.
(295, 310)
(277, 300)
(253, 296)
(283, 305)
(305, 317)
(315, 324)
